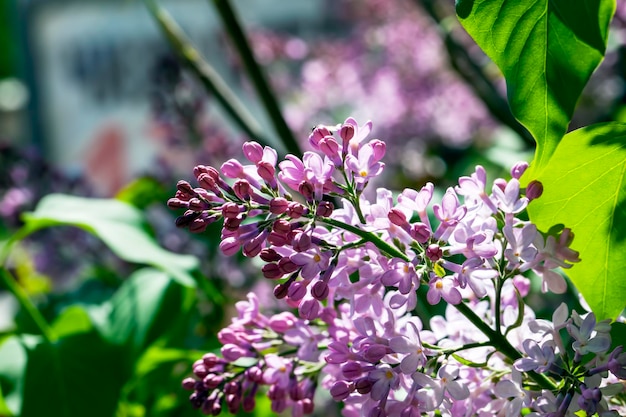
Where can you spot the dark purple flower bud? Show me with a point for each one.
(177, 203)
(278, 205)
(434, 252)
(232, 224)
(329, 146)
(375, 352)
(534, 190)
(500, 183)
(306, 189)
(248, 403)
(281, 291)
(189, 384)
(212, 381)
(363, 385)
(276, 393)
(396, 217)
(242, 189)
(271, 271)
(301, 242)
(185, 187)
(207, 182)
(307, 406)
(230, 246)
(186, 219)
(295, 390)
(324, 209)
(270, 255)
(233, 401)
(341, 390)
(196, 204)
(198, 226)
(420, 232)
(200, 370)
(230, 210)
(254, 246)
(281, 226)
(254, 374)
(287, 266)
(296, 210)
(320, 290)
(277, 239)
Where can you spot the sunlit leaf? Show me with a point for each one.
(121, 226)
(585, 190)
(547, 50)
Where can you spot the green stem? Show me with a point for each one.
(237, 35)
(209, 78)
(368, 237)
(502, 344)
(27, 305)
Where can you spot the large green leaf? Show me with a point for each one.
(121, 226)
(547, 50)
(148, 305)
(585, 189)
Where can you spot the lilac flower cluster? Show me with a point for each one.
(356, 276)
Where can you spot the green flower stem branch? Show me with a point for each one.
(16, 289)
(207, 75)
(496, 339)
(238, 37)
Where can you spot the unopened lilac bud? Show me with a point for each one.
(308, 406)
(233, 401)
(500, 183)
(518, 169)
(375, 352)
(297, 291)
(379, 148)
(317, 134)
(210, 360)
(309, 309)
(278, 205)
(253, 151)
(351, 370)
(420, 232)
(232, 352)
(434, 252)
(266, 171)
(198, 226)
(232, 168)
(397, 217)
(320, 290)
(341, 390)
(271, 271)
(186, 219)
(208, 183)
(295, 390)
(248, 404)
(212, 381)
(200, 370)
(196, 204)
(254, 374)
(330, 148)
(177, 203)
(534, 190)
(324, 209)
(232, 224)
(270, 255)
(363, 385)
(230, 210)
(282, 322)
(277, 239)
(287, 266)
(281, 226)
(301, 242)
(296, 210)
(306, 189)
(242, 189)
(254, 246)
(346, 132)
(185, 187)
(201, 169)
(189, 384)
(229, 246)
(281, 291)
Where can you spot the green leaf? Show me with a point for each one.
(585, 190)
(148, 304)
(121, 226)
(547, 50)
(618, 335)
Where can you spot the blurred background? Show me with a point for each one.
(95, 103)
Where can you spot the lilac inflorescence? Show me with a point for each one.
(353, 274)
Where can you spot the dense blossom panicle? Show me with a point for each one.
(354, 272)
